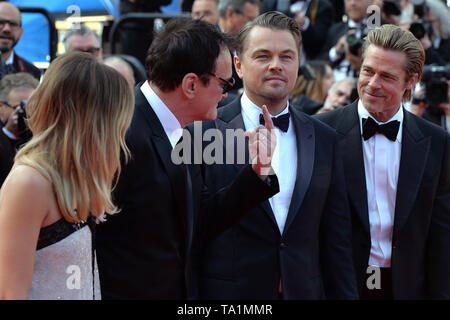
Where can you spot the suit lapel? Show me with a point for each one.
(304, 133)
(415, 150)
(163, 148)
(355, 176)
(230, 117)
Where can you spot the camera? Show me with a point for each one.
(435, 87)
(355, 42)
(24, 133)
(420, 28)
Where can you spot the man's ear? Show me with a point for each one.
(189, 84)
(229, 13)
(238, 66)
(412, 81)
(20, 34)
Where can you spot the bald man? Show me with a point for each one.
(10, 33)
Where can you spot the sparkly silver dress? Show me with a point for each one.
(65, 266)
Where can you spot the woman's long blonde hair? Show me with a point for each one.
(79, 115)
(313, 88)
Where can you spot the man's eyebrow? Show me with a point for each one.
(262, 50)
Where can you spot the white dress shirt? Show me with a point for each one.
(284, 160)
(169, 122)
(381, 164)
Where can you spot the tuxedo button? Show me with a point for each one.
(283, 245)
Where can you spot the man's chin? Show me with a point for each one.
(5, 49)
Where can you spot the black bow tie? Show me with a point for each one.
(370, 127)
(282, 122)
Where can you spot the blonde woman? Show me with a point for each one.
(315, 89)
(62, 180)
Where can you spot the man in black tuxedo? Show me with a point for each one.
(297, 244)
(313, 16)
(10, 33)
(144, 252)
(397, 169)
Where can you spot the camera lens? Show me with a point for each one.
(417, 29)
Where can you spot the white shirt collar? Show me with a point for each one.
(353, 24)
(363, 113)
(10, 59)
(170, 123)
(252, 111)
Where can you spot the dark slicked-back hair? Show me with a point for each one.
(273, 20)
(184, 46)
(391, 37)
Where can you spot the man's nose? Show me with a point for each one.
(275, 64)
(374, 82)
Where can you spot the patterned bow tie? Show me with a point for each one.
(370, 127)
(282, 122)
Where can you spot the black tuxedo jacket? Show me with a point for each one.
(144, 251)
(312, 256)
(314, 37)
(421, 235)
(307, 105)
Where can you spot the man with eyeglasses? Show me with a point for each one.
(10, 33)
(83, 39)
(14, 89)
(144, 252)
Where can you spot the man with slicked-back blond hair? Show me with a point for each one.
(397, 170)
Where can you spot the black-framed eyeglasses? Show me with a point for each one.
(13, 24)
(93, 50)
(10, 106)
(227, 84)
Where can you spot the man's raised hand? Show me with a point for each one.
(261, 145)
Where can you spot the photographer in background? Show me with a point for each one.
(14, 88)
(433, 30)
(314, 18)
(344, 40)
(14, 91)
(431, 98)
(435, 18)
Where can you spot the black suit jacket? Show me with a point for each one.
(420, 259)
(144, 251)
(314, 37)
(312, 256)
(7, 153)
(336, 31)
(22, 65)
